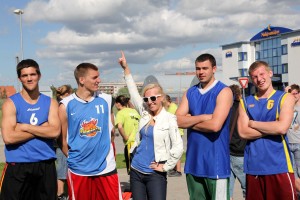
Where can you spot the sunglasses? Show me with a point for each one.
(152, 98)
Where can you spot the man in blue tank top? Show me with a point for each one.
(30, 123)
(204, 111)
(86, 139)
(264, 119)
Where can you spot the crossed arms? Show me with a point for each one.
(249, 129)
(206, 122)
(13, 132)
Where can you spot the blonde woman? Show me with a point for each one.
(159, 143)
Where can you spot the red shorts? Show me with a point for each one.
(271, 187)
(93, 187)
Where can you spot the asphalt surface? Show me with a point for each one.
(176, 189)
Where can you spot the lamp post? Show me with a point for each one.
(20, 12)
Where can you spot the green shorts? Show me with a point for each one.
(201, 188)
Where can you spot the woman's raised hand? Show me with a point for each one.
(122, 61)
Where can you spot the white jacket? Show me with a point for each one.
(168, 145)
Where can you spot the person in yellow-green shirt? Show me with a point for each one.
(171, 107)
(127, 122)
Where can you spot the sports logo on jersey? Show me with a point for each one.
(90, 128)
(251, 105)
(270, 104)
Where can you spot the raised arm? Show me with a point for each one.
(185, 120)
(62, 113)
(11, 132)
(132, 88)
(280, 126)
(49, 129)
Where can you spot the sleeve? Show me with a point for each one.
(119, 118)
(176, 146)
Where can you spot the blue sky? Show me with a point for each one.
(157, 36)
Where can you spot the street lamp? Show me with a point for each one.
(20, 12)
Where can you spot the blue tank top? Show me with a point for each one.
(207, 153)
(145, 151)
(270, 154)
(36, 149)
(89, 135)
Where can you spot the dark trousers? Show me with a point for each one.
(148, 186)
(34, 181)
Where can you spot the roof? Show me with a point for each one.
(9, 90)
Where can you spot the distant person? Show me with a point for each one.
(264, 119)
(171, 107)
(204, 111)
(30, 124)
(237, 145)
(293, 133)
(159, 143)
(61, 161)
(127, 122)
(86, 118)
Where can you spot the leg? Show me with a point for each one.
(296, 155)
(231, 180)
(254, 188)
(12, 175)
(61, 169)
(79, 187)
(137, 185)
(156, 185)
(106, 187)
(218, 189)
(196, 187)
(178, 166)
(280, 186)
(127, 157)
(237, 164)
(46, 184)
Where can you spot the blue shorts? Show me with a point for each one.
(61, 165)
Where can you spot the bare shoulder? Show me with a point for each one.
(8, 105)
(225, 93)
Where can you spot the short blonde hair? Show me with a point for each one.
(258, 64)
(151, 86)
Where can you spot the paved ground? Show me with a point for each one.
(177, 189)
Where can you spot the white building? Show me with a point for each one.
(278, 46)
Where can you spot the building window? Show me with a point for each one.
(243, 72)
(284, 49)
(243, 56)
(275, 69)
(274, 52)
(257, 55)
(285, 68)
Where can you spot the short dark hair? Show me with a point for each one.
(294, 87)
(82, 68)
(124, 101)
(205, 57)
(27, 63)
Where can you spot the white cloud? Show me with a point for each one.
(150, 31)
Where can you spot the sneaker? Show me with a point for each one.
(63, 197)
(175, 174)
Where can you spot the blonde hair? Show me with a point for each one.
(161, 92)
(258, 64)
